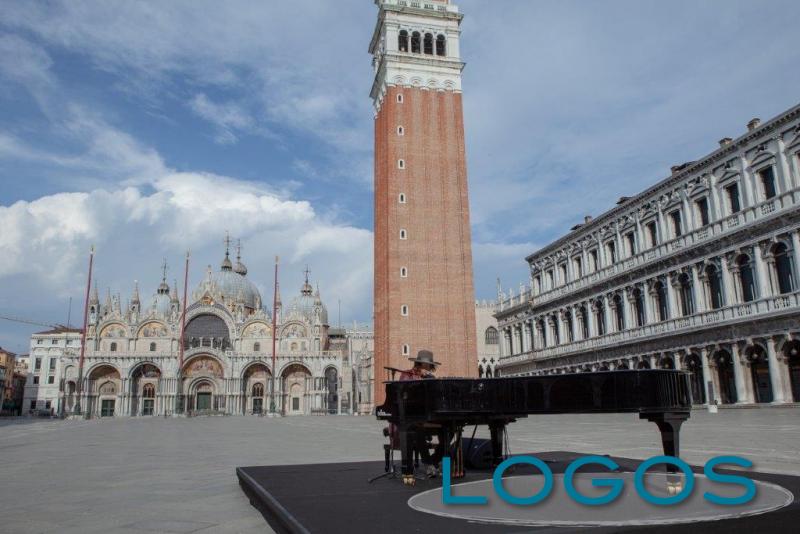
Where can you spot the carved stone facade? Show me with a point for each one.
(698, 272)
(132, 361)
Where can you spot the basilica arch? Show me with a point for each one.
(296, 383)
(203, 383)
(145, 389)
(256, 383)
(104, 390)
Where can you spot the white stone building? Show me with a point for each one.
(698, 272)
(488, 343)
(132, 364)
(44, 384)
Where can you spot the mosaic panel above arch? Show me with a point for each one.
(153, 329)
(257, 329)
(203, 366)
(113, 330)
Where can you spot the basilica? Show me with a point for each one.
(138, 361)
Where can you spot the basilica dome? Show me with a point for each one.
(306, 304)
(228, 287)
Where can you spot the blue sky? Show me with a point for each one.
(148, 128)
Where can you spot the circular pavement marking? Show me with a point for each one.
(628, 509)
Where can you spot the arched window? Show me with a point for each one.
(543, 330)
(746, 278)
(556, 334)
(403, 233)
(399, 98)
(568, 326)
(401, 198)
(585, 322)
(600, 313)
(441, 49)
(491, 336)
(153, 346)
(661, 301)
(256, 347)
(403, 272)
(480, 371)
(782, 268)
(113, 347)
(638, 305)
(406, 350)
(402, 41)
(401, 164)
(714, 286)
(687, 299)
(404, 310)
(428, 45)
(400, 130)
(258, 389)
(415, 43)
(619, 313)
(149, 391)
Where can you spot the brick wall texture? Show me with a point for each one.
(437, 253)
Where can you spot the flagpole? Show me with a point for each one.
(79, 388)
(179, 408)
(274, 338)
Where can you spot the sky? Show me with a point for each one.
(149, 128)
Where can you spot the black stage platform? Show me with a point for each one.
(336, 498)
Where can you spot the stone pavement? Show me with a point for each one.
(177, 475)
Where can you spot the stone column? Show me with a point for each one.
(574, 322)
(698, 294)
(647, 298)
(748, 197)
(728, 283)
(742, 391)
(707, 377)
(672, 295)
(775, 373)
(688, 219)
(761, 271)
(796, 253)
(653, 361)
(607, 312)
(784, 175)
(716, 206)
(676, 359)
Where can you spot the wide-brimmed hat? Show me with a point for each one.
(424, 356)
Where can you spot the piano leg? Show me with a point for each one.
(496, 431)
(407, 439)
(669, 424)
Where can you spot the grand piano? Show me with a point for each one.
(440, 408)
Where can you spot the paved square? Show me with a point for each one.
(177, 475)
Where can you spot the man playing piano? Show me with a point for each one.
(424, 367)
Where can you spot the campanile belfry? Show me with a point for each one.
(424, 294)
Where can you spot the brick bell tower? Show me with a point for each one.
(424, 294)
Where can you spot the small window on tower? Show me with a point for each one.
(403, 234)
(441, 50)
(406, 350)
(403, 272)
(404, 310)
(401, 198)
(152, 347)
(399, 98)
(400, 130)
(401, 164)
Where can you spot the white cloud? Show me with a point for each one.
(45, 241)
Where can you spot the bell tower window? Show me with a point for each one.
(428, 44)
(415, 43)
(441, 49)
(402, 41)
